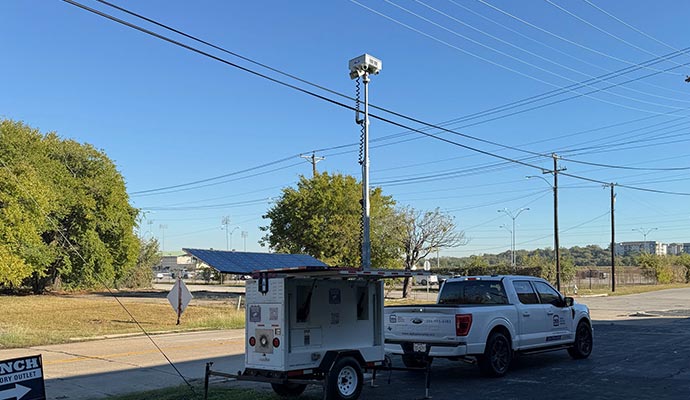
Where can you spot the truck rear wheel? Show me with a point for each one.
(288, 389)
(497, 356)
(582, 347)
(344, 380)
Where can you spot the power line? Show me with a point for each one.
(629, 26)
(329, 100)
(297, 78)
(558, 36)
(523, 50)
(500, 65)
(564, 53)
(600, 29)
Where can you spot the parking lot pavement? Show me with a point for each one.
(633, 359)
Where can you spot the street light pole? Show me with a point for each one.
(645, 232)
(511, 242)
(513, 215)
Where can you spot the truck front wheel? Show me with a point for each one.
(288, 389)
(344, 380)
(582, 347)
(497, 356)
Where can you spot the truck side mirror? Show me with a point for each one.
(569, 301)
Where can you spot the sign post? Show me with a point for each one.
(179, 297)
(22, 379)
(427, 267)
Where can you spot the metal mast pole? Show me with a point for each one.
(366, 217)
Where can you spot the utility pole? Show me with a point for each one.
(226, 222)
(244, 235)
(613, 241)
(313, 159)
(163, 227)
(556, 238)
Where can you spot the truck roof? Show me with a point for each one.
(492, 277)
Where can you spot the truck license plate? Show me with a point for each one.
(419, 347)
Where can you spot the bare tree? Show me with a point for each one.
(424, 232)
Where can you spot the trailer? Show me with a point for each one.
(314, 325)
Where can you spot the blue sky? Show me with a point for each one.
(168, 116)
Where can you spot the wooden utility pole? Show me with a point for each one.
(556, 238)
(613, 241)
(313, 159)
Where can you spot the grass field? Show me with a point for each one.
(48, 319)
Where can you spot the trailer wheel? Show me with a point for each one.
(288, 389)
(344, 380)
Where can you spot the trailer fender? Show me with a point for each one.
(332, 356)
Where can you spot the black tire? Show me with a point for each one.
(423, 282)
(413, 361)
(288, 389)
(345, 380)
(497, 356)
(582, 347)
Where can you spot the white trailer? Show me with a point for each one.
(314, 326)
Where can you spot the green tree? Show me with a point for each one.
(142, 273)
(656, 267)
(321, 217)
(64, 212)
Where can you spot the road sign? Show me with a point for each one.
(22, 379)
(179, 297)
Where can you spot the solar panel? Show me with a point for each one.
(235, 262)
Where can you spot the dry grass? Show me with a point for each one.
(631, 289)
(36, 320)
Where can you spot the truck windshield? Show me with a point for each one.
(473, 292)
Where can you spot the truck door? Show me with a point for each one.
(531, 315)
(558, 318)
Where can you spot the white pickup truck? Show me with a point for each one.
(487, 319)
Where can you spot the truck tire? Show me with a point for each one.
(288, 389)
(412, 361)
(345, 380)
(582, 347)
(497, 356)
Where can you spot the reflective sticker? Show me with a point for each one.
(255, 314)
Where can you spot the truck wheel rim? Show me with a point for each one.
(347, 381)
(499, 355)
(585, 339)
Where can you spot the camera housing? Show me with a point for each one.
(364, 64)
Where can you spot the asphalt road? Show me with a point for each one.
(641, 350)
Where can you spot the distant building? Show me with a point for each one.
(174, 264)
(678, 248)
(632, 248)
